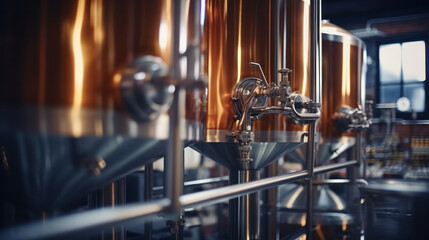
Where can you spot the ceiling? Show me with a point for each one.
(367, 18)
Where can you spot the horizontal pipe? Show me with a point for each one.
(335, 166)
(225, 193)
(160, 189)
(83, 221)
(206, 181)
(338, 181)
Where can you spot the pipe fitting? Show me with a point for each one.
(251, 98)
(348, 119)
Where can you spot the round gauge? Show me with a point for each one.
(403, 104)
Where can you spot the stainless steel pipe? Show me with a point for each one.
(315, 96)
(229, 192)
(148, 185)
(93, 219)
(173, 184)
(335, 166)
(248, 205)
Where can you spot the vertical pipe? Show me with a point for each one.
(174, 163)
(222, 232)
(316, 51)
(310, 169)
(278, 61)
(249, 220)
(357, 204)
(233, 208)
(315, 96)
(271, 210)
(148, 192)
(109, 196)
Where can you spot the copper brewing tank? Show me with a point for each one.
(66, 127)
(343, 59)
(275, 34)
(343, 85)
(343, 62)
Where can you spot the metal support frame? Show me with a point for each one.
(310, 168)
(356, 199)
(94, 219)
(269, 229)
(173, 167)
(316, 74)
(148, 192)
(233, 209)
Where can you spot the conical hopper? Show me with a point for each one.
(227, 155)
(46, 172)
(329, 211)
(328, 149)
(294, 197)
(47, 168)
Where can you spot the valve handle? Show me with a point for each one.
(285, 76)
(260, 71)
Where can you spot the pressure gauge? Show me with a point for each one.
(403, 104)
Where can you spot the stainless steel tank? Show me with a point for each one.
(84, 93)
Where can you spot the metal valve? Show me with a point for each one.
(285, 76)
(251, 101)
(348, 119)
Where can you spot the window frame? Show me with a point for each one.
(410, 38)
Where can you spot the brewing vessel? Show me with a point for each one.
(85, 90)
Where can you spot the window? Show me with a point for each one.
(402, 72)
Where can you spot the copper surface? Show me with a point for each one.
(68, 53)
(341, 78)
(239, 32)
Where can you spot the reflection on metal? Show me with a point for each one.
(293, 197)
(327, 225)
(326, 150)
(263, 153)
(78, 55)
